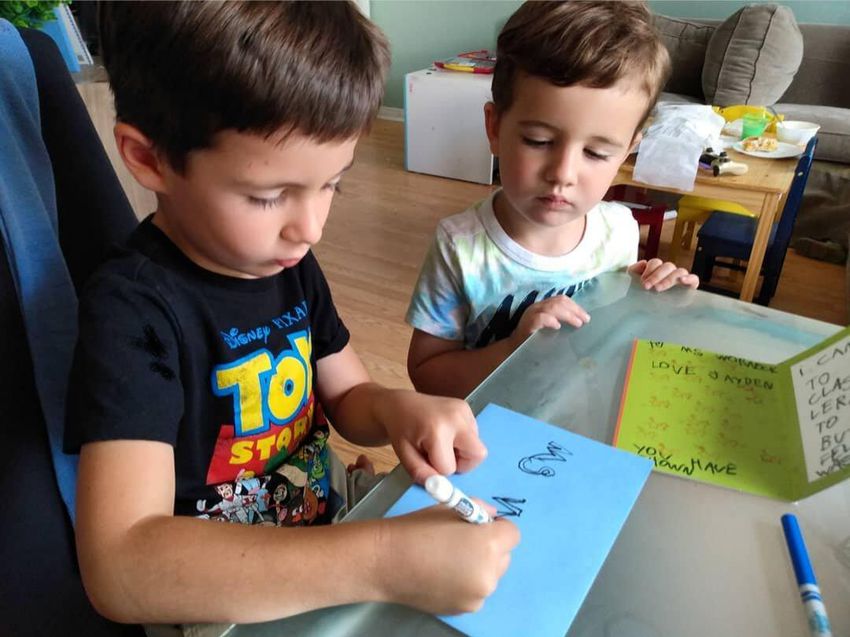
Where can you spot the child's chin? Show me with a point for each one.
(554, 218)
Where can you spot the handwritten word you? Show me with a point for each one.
(687, 467)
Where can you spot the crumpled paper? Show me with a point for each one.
(670, 149)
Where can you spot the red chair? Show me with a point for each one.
(645, 211)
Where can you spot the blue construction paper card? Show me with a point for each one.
(568, 495)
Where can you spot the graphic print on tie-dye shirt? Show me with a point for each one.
(476, 282)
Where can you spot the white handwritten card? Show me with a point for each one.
(822, 393)
(569, 496)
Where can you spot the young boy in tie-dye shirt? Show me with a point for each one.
(573, 85)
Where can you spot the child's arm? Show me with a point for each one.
(445, 367)
(430, 434)
(659, 275)
(142, 564)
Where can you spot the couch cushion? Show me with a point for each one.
(826, 63)
(834, 134)
(752, 56)
(687, 43)
(677, 98)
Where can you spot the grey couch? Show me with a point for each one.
(819, 92)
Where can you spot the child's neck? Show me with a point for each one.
(543, 241)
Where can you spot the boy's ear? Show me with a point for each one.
(491, 126)
(141, 157)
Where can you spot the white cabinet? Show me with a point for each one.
(444, 124)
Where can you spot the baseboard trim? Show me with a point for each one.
(391, 113)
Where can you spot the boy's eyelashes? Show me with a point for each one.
(264, 202)
(542, 143)
(535, 143)
(270, 202)
(596, 156)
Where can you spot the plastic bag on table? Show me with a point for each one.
(669, 152)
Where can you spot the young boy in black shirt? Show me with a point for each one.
(210, 350)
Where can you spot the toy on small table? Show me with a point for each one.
(470, 62)
(720, 164)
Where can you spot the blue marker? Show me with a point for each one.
(809, 591)
(445, 492)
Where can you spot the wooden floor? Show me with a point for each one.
(380, 227)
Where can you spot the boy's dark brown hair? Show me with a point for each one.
(183, 71)
(578, 42)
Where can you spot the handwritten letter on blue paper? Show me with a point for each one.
(568, 495)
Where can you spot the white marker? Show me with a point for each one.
(445, 492)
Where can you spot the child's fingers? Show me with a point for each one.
(439, 452)
(415, 463)
(653, 272)
(565, 310)
(656, 272)
(679, 275)
(486, 506)
(651, 266)
(572, 318)
(534, 322)
(469, 451)
(545, 319)
(691, 280)
(638, 267)
(551, 313)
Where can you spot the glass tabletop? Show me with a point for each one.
(692, 559)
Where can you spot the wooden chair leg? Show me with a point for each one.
(676, 242)
(688, 234)
(653, 237)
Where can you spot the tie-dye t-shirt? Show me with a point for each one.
(476, 281)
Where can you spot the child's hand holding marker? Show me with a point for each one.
(448, 582)
(444, 492)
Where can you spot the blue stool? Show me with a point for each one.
(726, 237)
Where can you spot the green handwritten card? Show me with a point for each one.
(781, 431)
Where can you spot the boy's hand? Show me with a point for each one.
(660, 275)
(430, 434)
(550, 313)
(455, 565)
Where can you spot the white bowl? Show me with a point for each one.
(796, 132)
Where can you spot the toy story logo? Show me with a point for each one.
(273, 409)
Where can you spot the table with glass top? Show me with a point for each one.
(692, 559)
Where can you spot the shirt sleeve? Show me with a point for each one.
(631, 240)
(125, 379)
(438, 305)
(329, 333)
(624, 237)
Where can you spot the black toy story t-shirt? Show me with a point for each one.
(221, 368)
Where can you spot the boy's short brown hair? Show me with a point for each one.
(183, 71)
(578, 42)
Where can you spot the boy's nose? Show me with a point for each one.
(307, 227)
(563, 167)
